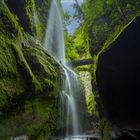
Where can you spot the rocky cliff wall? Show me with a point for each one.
(29, 81)
(118, 78)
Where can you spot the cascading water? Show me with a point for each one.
(54, 44)
(69, 91)
(54, 39)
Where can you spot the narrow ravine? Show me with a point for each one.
(69, 70)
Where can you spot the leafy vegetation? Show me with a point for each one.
(102, 20)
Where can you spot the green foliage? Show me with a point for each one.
(71, 52)
(102, 18)
(75, 47)
(67, 17)
(79, 44)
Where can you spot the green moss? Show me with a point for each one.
(25, 67)
(91, 104)
(24, 10)
(30, 8)
(7, 61)
(105, 127)
(45, 71)
(38, 121)
(112, 38)
(10, 80)
(48, 116)
(29, 80)
(8, 23)
(28, 92)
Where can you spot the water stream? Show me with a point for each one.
(69, 91)
(54, 44)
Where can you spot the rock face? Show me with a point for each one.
(29, 83)
(118, 81)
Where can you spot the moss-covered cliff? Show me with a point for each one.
(28, 77)
(24, 10)
(117, 78)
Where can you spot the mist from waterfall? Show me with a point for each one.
(54, 44)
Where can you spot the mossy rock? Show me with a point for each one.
(117, 78)
(45, 71)
(29, 91)
(21, 103)
(24, 10)
(28, 83)
(8, 23)
(105, 127)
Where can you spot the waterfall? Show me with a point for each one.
(54, 38)
(54, 44)
(69, 91)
